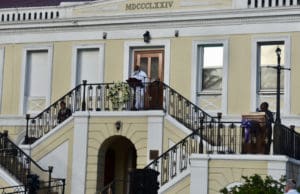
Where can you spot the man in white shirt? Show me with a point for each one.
(290, 187)
(140, 91)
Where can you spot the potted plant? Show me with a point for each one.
(118, 94)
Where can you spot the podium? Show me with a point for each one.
(155, 95)
(134, 83)
(143, 181)
(254, 136)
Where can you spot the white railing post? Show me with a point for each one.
(252, 4)
(280, 4)
(240, 4)
(294, 2)
(259, 3)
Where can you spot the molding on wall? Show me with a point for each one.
(35, 47)
(74, 61)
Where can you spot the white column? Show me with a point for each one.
(277, 166)
(199, 174)
(80, 144)
(155, 135)
(1, 71)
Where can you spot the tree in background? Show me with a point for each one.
(257, 185)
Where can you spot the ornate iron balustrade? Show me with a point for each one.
(286, 141)
(272, 3)
(20, 189)
(211, 137)
(155, 95)
(112, 187)
(18, 163)
(57, 186)
(218, 137)
(182, 109)
(100, 97)
(81, 98)
(175, 159)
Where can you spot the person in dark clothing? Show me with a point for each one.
(264, 107)
(63, 113)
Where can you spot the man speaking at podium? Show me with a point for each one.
(140, 91)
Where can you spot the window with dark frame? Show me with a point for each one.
(266, 82)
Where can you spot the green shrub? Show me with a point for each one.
(257, 185)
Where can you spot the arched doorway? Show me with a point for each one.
(116, 158)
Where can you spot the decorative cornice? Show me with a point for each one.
(169, 19)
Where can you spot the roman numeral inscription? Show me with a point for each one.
(149, 5)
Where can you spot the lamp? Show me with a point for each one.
(176, 33)
(104, 36)
(278, 53)
(118, 125)
(147, 37)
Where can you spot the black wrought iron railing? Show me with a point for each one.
(286, 141)
(209, 133)
(21, 165)
(211, 137)
(115, 96)
(87, 97)
(115, 187)
(57, 187)
(175, 160)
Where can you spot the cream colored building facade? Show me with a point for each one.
(215, 53)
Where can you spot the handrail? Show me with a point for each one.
(58, 186)
(109, 188)
(212, 137)
(101, 97)
(46, 110)
(187, 100)
(154, 162)
(12, 155)
(81, 98)
(286, 141)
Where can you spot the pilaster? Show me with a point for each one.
(199, 174)
(80, 143)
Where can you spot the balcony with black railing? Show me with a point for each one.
(20, 165)
(286, 141)
(218, 136)
(115, 97)
(209, 134)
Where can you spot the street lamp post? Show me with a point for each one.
(278, 68)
